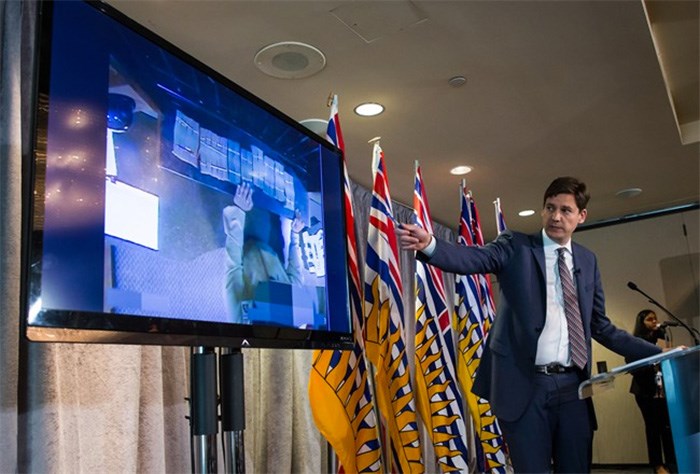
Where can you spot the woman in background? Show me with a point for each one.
(647, 388)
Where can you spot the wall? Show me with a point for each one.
(655, 254)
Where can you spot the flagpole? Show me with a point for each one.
(416, 167)
(497, 209)
(331, 456)
(332, 460)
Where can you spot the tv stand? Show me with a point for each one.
(203, 413)
(232, 385)
(203, 409)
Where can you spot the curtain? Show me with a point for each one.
(112, 408)
(16, 26)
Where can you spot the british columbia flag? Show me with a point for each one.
(439, 400)
(339, 390)
(384, 338)
(472, 308)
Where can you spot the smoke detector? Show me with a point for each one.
(457, 81)
(628, 193)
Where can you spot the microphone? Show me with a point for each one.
(577, 271)
(693, 332)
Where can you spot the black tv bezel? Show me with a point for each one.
(105, 328)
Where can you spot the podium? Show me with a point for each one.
(681, 372)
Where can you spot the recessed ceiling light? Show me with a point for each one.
(460, 170)
(526, 213)
(628, 193)
(369, 109)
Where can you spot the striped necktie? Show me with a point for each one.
(577, 340)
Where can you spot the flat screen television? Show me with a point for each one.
(167, 205)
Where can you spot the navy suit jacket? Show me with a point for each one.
(507, 370)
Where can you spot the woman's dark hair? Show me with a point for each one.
(639, 328)
(568, 185)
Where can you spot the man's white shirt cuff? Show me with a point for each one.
(430, 249)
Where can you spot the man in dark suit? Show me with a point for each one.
(539, 349)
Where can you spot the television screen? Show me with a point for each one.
(167, 205)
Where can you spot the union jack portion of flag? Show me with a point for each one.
(474, 310)
(339, 391)
(439, 400)
(333, 132)
(384, 339)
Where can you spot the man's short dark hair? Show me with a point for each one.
(568, 185)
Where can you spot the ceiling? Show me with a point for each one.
(553, 88)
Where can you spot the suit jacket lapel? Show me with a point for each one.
(537, 248)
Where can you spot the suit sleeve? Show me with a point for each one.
(465, 260)
(615, 339)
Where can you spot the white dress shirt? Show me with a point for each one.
(553, 344)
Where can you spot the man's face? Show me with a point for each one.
(561, 216)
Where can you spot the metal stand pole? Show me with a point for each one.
(232, 410)
(331, 459)
(203, 410)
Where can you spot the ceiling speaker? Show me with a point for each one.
(290, 60)
(318, 126)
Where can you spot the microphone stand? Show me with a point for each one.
(692, 331)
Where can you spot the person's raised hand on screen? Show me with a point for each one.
(244, 197)
(413, 237)
(297, 224)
